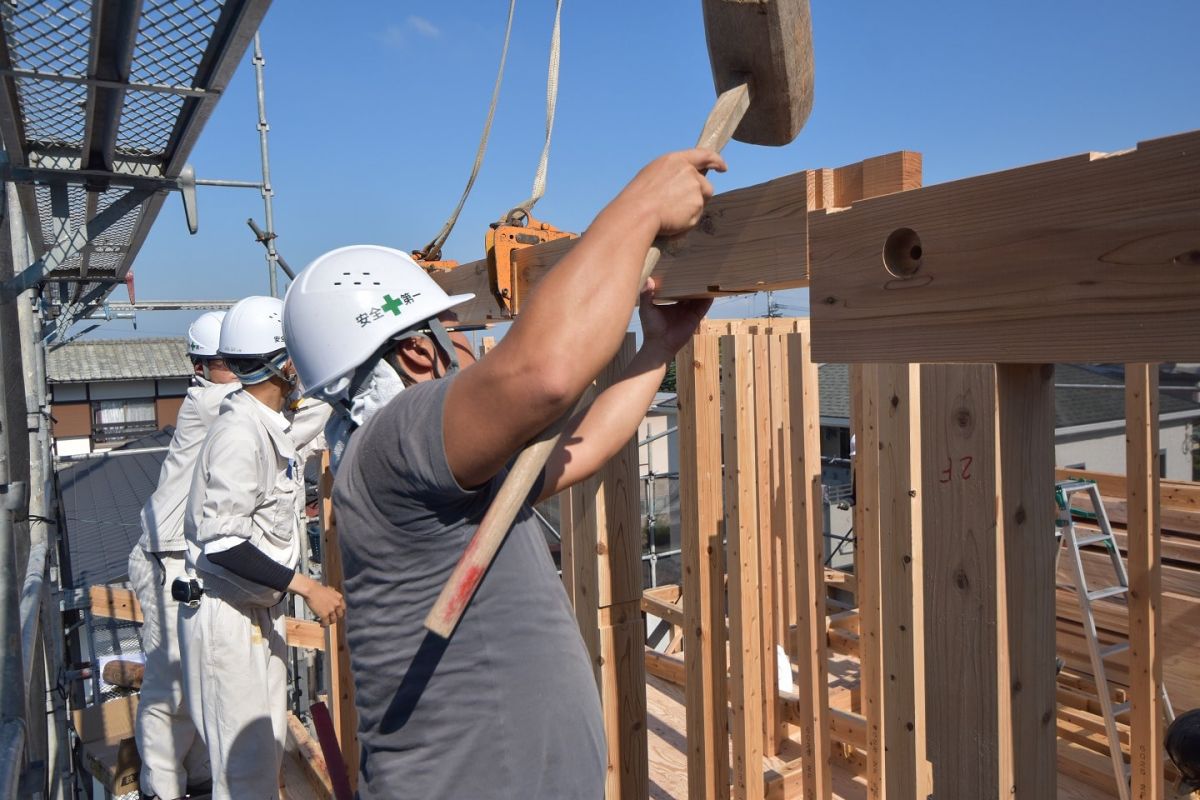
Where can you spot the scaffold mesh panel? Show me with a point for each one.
(172, 38)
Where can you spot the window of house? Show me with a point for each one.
(117, 420)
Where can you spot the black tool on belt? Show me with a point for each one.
(187, 590)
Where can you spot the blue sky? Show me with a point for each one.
(376, 108)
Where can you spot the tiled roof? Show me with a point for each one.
(1072, 406)
(119, 360)
(102, 499)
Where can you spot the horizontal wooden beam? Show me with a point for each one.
(1089, 258)
(749, 240)
(122, 604)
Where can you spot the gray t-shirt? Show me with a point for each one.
(508, 708)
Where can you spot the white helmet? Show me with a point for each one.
(347, 303)
(204, 335)
(252, 341)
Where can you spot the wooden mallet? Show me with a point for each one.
(761, 54)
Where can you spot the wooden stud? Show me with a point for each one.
(801, 407)
(958, 481)
(981, 269)
(768, 566)
(700, 511)
(1146, 730)
(1025, 460)
(341, 680)
(897, 460)
(741, 523)
(864, 384)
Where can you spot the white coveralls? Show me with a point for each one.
(173, 756)
(248, 486)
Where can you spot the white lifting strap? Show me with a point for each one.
(539, 178)
(433, 250)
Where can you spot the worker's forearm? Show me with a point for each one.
(599, 432)
(581, 310)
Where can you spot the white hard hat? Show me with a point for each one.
(253, 327)
(204, 334)
(344, 305)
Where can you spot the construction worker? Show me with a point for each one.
(244, 532)
(508, 706)
(174, 761)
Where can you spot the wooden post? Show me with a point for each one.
(1145, 582)
(741, 523)
(1025, 458)
(802, 408)
(958, 480)
(864, 388)
(606, 568)
(901, 623)
(770, 568)
(700, 511)
(341, 681)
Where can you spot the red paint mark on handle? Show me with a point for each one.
(465, 589)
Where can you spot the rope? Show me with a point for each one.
(433, 250)
(539, 178)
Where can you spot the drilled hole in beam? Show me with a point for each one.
(902, 253)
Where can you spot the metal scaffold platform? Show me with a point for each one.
(102, 103)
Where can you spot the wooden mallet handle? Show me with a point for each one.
(443, 618)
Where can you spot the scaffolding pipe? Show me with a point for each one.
(265, 189)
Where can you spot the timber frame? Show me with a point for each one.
(952, 303)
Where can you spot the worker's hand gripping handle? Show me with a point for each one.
(443, 618)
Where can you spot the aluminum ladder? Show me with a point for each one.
(1073, 541)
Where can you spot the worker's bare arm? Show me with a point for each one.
(598, 433)
(573, 325)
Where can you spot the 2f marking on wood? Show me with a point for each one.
(963, 473)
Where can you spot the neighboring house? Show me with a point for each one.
(108, 391)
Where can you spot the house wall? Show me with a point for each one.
(1104, 451)
(166, 410)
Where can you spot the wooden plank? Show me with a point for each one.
(120, 603)
(801, 407)
(741, 526)
(663, 610)
(341, 678)
(661, 665)
(115, 602)
(700, 511)
(1025, 451)
(623, 698)
(768, 566)
(1057, 262)
(1146, 729)
(901, 623)
(864, 385)
(958, 469)
(566, 544)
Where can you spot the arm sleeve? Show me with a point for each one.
(248, 562)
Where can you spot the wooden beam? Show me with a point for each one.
(801, 407)
(120, 603)
(700, 512)
(341, 679)
(749, 240)
(1025, 454)
(662, 609)
(1089, 258)
(1146, 729)
(741, 526)
(1183, 496)
(958, 479)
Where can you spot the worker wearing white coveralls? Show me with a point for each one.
(244, 532)
(173, 757)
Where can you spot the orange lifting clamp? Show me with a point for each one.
(504, 238)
